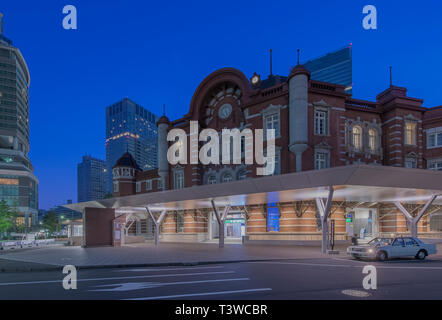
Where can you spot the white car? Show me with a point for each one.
(387, 248)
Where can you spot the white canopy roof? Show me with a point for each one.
(356, 183)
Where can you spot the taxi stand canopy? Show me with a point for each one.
(354, 183)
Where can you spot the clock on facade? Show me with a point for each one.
(255, 79)
(225, 110)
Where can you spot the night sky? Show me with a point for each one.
(158, 52)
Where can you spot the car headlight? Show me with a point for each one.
(370, 250)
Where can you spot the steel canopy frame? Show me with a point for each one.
(355, 183)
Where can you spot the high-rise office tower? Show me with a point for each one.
(334, 67)
(18, 185)
(130, 128)
(91, 179)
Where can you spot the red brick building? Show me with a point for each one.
(317, 126)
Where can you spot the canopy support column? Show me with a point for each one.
(221, 219)
(157, 223)
(413, 221)
(324, 211)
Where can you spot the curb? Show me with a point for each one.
(136, 265)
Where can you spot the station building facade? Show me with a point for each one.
(317, 125)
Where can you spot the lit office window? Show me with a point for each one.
(410, 133)
(357, 137)
(321, 121)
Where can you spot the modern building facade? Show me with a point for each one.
(334, 67)
(130, 128)
(91, 179)
(18, 184)
(318, 126)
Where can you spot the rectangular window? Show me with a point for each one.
(410, 163)
(271, 121)
(410, 133)
(148, 185)
(160, 184)
(179, 223)
(179, 179)
(321, 160)
(321, 122)
(138, 187)
(435, 165)
(115, 186)
(434, 139)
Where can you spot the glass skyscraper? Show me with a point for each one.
(18, 185)
(91, 179)
(334, 67)
(132, 128)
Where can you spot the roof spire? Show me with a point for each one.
(164, 109)
(298, 57)
(271, 62)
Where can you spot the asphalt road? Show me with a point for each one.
(323, 278)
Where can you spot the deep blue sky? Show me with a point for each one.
(158, 52)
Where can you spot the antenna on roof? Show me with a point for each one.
(164, 109)
(298, 57)
(391, 77)
(271, 58)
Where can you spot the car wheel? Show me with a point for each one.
(382, 256)
(356, 257)
(421, 255)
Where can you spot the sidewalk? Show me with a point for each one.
(166, 254)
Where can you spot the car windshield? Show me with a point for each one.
(377, 241)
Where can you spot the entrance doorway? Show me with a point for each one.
(362, 222)
(234, 227)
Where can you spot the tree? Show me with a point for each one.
(7, 217)
(50, 222)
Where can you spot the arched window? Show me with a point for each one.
(242, 174)
(372, 137)
(211, 179)
(357, 137)
(227, 177)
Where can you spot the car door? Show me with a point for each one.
(411, 247)
(397, 248)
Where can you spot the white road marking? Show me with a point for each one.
(356, 293)
(117, 278)
(165, 269)
(202, 294)
(130, 286)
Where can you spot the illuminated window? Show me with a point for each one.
(410, 133)
(357, 138)
(6, 181)
(372, 137)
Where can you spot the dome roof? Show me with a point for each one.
(299, 69)
(163, 119)
(126, 160)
